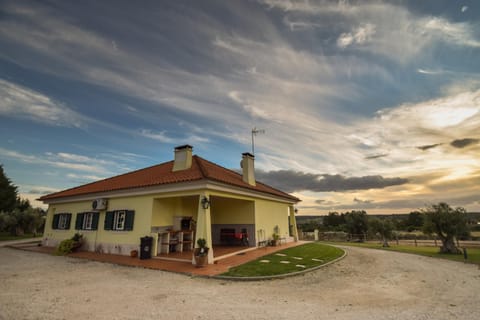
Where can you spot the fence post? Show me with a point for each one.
(465, 255)
(435, 239)
(415, 239)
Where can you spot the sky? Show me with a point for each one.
(366, 105)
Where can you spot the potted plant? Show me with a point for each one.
(275, 239)
(200, 253)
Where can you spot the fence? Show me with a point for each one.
(399, 239)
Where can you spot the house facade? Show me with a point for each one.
(175, 203)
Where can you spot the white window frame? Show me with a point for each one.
(87, 220)
(62, 221)
(119, 218)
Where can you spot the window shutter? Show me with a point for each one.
(55, 221)
(129, 220)
(69, 218)
(108, 220)
(79, 221)
(95, 220)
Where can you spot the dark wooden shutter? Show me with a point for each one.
(55, 221)
(69, 218)
(79, 221)
(108, 225)
(130, 215)
(96, 215)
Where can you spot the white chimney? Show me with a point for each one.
(248, 168)
(183, 158)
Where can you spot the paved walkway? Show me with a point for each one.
(219, 267)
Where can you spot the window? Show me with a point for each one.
(61, 221)
(120, 220)
(87, 221)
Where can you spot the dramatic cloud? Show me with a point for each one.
(292, 181)
(462, 143)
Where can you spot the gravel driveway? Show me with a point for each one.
(367, 284)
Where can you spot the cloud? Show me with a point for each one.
(359, 36)
(159, 136)
(362, 201)
(377, 156)
(462, 143)
(21, 102)
(464, 8)
(429, 146)
(65, 161)
(291, 181)
(460, 33)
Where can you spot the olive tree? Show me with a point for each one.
(447, 223)
(383, 227)
(357, 223)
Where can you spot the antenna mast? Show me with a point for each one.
(255, 131)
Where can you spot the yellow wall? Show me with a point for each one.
(232, 211)
(165, 209)
(121, 241)
(269, 214)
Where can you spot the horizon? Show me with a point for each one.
(369, 106)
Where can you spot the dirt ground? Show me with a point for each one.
(367, 284)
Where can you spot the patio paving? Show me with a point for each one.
(220, 266)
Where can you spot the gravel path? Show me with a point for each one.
(367, 284)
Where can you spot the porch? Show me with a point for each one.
(220, 266)
(219, 253)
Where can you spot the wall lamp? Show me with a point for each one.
(296, 211)
(205, 203)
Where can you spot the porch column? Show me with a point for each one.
(293, 222)
(204, 226)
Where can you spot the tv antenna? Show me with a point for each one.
(255, 131)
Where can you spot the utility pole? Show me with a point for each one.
(255, 131)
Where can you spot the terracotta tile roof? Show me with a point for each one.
(162, 174)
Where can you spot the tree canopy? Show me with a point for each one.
(357, 223)
(447, 223)
(8, 193)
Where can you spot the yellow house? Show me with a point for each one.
(175, 203)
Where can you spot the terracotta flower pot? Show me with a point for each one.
(201, 258)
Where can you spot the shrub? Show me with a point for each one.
(65, 247)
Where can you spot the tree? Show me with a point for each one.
(414, 221)
(383, 227)
(447, 223)
(8, 193)
(334, 220)
(357, 223)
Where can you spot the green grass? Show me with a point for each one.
(6, 236)
(473, 253)
(320, 252)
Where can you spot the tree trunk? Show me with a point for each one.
(385, 242)
(448, 246)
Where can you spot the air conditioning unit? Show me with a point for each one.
(99, 204)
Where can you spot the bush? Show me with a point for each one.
(69, 245)
(65, 247)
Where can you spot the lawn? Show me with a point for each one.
(6, 236)
(473, 254)
(290, 260)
